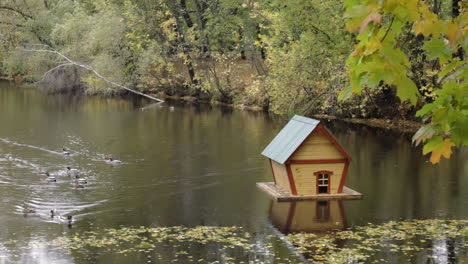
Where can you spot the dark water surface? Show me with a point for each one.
(189, 165)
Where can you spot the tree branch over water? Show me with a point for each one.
(48, 49)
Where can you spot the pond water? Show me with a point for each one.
(190, 165)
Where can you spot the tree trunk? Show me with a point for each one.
(262, 50)
(241, 42)
(455, 13)
(185, 13)
(182, 41)
(201, 8)
(455, 8)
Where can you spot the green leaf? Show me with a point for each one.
(345, 93)
(436, 49)
(433, 143)
(407, 90)
(425, 109)
(448, 68)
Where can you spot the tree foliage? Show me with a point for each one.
(379, 57)
(288, 57)
(306, 48)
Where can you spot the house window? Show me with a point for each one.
(323, 181)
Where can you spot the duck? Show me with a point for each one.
(72, 172)
(51, 179)
(65, 152)
(66, 219)
(114, 161)
(171, 108)
(82, 180)
(79, 185)
(28, 210)
(111, 160)
(42, 172)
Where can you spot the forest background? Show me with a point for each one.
(296, 56)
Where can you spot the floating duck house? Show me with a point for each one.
(307, 163)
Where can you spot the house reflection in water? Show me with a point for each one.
(308, 216)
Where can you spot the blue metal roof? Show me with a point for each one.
(290, 138)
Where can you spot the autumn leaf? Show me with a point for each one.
(357, 52)
(428, 27)
(372, 46)
(444, 149)
(376, 17)
(425, 132)
(452, 32)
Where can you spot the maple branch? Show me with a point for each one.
(388, 29)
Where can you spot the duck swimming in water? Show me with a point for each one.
(65, 152)
(82, 180)
(64, 219)
(79, 185)
(73, 172)
(50, 178)
(111, 160)
(114, 161)
(28, 210)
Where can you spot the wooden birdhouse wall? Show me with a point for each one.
(317, 146)
(306, 180)
(280, 175)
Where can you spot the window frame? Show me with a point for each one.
(317, 175)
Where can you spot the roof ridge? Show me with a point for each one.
(306, 122)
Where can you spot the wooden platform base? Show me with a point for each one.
(281, 195)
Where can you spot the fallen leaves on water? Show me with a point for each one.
(360, 244)
(364, 243)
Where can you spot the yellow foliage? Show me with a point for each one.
(445, 149)
(453, 32)
(372, 46)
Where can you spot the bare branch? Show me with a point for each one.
(84, 66)
(24, 15)
(11, 24)
(55, 68)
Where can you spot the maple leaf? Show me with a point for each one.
(425, 132)
(452, 31)
(444, 149)
(374, 16)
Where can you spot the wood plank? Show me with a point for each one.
(281, 195)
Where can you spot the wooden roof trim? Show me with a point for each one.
(321, 128)
(343, 177)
